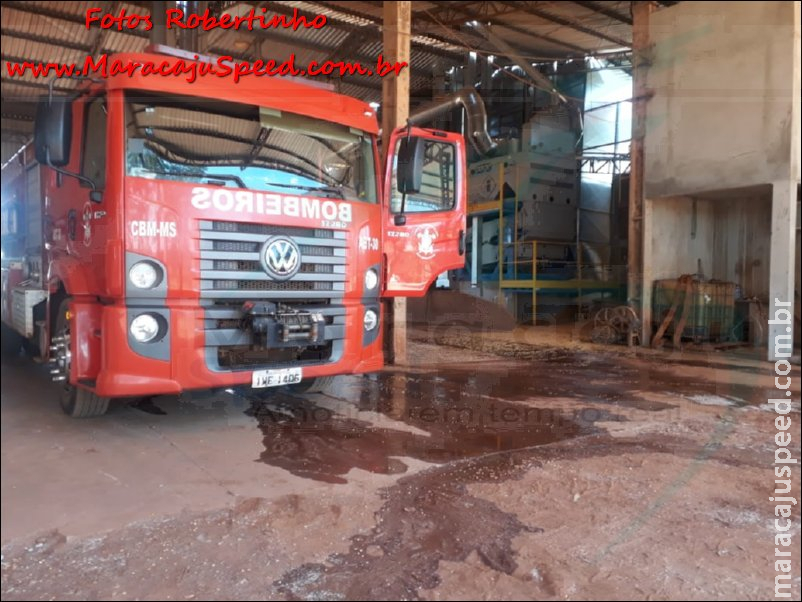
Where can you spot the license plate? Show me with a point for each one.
(276, 378)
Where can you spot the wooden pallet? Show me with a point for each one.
(685, 283)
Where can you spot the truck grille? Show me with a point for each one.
(231, 273)
(230, 263)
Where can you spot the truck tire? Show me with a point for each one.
(11, 341)
(83, 403)
(321, 384)
(75, 401)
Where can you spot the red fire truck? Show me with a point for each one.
(161, 236)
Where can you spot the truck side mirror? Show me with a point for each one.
(52, 132)
(410, 164)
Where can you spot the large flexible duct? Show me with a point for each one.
(595, 260)
(474, 111)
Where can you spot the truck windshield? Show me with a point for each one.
(219, 143)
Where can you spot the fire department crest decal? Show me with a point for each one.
(425, 236)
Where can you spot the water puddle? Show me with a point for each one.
(448, 417)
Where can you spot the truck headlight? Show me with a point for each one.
(370, 320)
(144, 328)
(145, 274)
(371, 279)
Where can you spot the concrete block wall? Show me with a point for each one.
(725, 86)
(723, 129)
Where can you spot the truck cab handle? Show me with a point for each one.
(461, 243)
(71, 220)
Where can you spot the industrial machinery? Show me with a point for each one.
(525, 239)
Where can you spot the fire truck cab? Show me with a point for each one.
(161, 236)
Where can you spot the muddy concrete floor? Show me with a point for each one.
(511, 469)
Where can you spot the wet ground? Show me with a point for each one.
(527, 471)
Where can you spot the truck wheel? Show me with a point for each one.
(81, 403)
(75, 401)
(11, 341)
(321, 384)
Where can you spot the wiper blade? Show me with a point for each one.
(200, 176)
(219, 176)
(160, 172)
(335, 190)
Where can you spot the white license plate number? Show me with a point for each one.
(276, 378)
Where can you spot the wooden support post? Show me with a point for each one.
(395, 110)
(534, 283)
(640, 44)
(438, 93)
(158, 33)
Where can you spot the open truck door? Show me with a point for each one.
(423, 209)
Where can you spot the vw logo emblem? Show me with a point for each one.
(281, 258)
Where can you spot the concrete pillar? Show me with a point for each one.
(781, 269)
(396, 29)
(635, 262)
(160, 34)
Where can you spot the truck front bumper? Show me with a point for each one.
(184, 357)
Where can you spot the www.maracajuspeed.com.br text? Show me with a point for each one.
(223, 66)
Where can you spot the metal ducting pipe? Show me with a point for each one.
(540, 80)
(595, 260)
(474, 111)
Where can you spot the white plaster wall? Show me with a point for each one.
(675, 246)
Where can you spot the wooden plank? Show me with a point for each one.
(641, 11)
(680, 327)
(396, 30)
(657, 340)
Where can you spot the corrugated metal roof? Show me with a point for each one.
(442, 37)
(115, 41)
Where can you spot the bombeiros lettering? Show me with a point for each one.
(265, 203)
